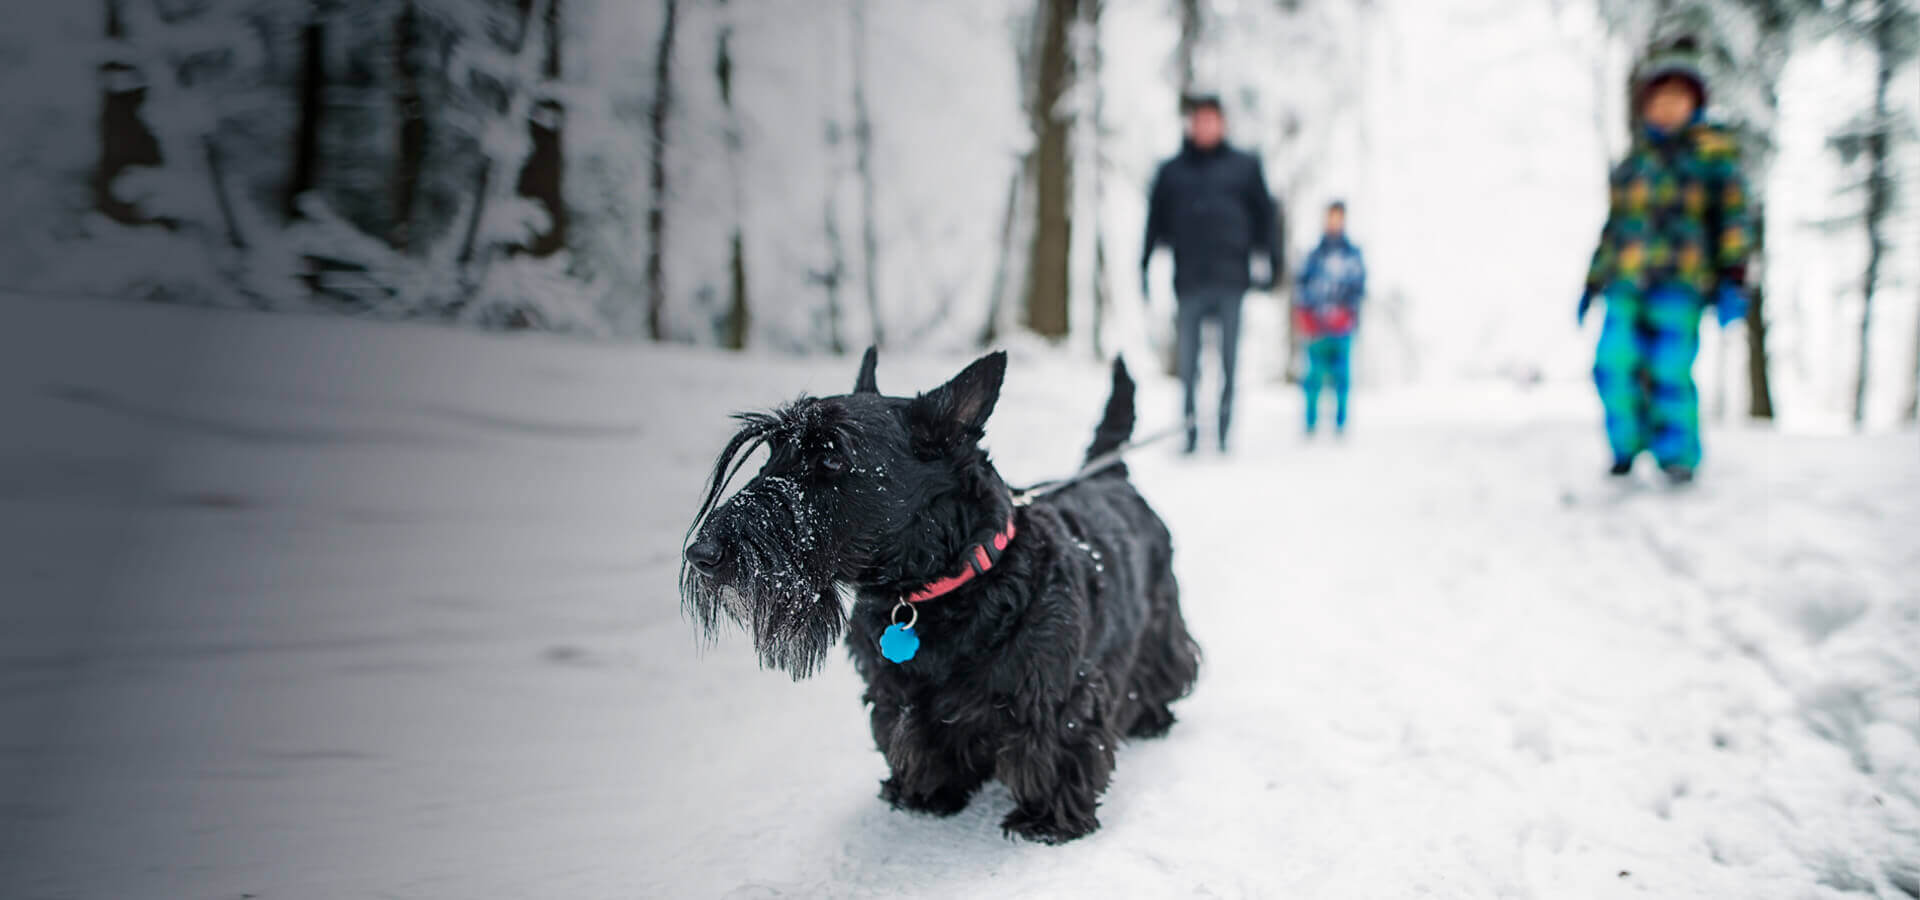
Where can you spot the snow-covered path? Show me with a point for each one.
(309, 608)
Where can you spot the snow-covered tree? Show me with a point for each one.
(1892, 30)
(808, 177)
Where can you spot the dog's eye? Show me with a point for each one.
(833, 464)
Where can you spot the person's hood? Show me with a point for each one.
(1680, 59)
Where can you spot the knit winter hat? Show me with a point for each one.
(1676, 58)
(1200, 100)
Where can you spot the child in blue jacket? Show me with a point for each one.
(1326, 309)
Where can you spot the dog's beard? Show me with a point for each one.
(778, 581)
(794, 618)
(795, 633)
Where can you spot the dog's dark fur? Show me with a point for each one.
(1030, 673)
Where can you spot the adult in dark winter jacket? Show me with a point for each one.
(1210, 204)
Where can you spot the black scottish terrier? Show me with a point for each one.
(998, 639)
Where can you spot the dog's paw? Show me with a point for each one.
(1046, 827)
(1152, 723)
(944, 802)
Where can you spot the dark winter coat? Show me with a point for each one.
(1213, 208)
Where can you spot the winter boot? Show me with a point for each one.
(1678, 475)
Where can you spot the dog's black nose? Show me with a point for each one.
(705, 555)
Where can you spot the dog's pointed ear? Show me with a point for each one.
(865, 383)
(958, 410)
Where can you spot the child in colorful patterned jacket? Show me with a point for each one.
(1677, 239)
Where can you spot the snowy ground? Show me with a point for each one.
(309, 608)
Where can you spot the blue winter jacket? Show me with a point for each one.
(1334, 275)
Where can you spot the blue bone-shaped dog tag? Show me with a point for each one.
(898, 643)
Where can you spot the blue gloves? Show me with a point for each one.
(1586, 301)
(1730, 302)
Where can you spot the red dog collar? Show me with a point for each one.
(979, 558)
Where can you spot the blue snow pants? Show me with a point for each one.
(1329, 364)
(1644, 372)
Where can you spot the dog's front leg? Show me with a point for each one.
(930, 774)
(1058, 766)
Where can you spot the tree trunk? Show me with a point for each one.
(834, 275)
(733, 333)
(410, 108)
(863, 166)
(1759, 385)
(1091, 169)
(1878, 197)
(1190, 22)
(657, 173)
(1003, 270)
(1016, 222)
(1047, 271)
(470, 238)
(1913, 383)
(1100, 298)
(541, 177)
(836, 269)
(125, 140)
(513, 101)
(733, 330)
(305, 174)
(222, 199)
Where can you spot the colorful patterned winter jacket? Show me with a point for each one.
(1678, 214)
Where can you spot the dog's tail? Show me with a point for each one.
(1116, 426)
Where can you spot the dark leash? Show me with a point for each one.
(1096, 465)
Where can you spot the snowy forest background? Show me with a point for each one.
(813, 177)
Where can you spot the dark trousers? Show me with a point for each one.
(1197, 307)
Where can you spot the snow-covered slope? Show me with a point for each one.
(311, 608)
